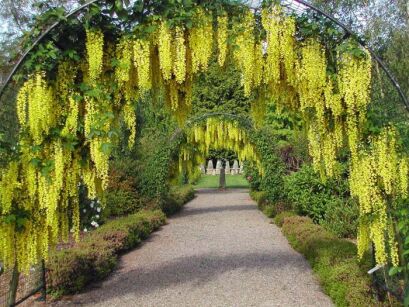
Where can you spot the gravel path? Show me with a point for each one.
(219, 251)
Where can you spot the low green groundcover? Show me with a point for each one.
(334, 260)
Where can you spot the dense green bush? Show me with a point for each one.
(92, 259)
(327, 203)
(334, 260)
(177, 197)
(341, 218)
(154, 176)
(122, 202)
(308, 194)
(271, 182)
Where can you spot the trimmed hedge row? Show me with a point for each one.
(334, 260)
(178, 196)
(92, 259)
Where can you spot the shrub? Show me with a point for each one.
(92, 259)
(122, 202)
(279, 219)
(334, 260)
(155, 157)
(341, 218)
(70, 270)
(307, 193)
(177, 197)
(259, 197)
(327, 203)
(273, 167)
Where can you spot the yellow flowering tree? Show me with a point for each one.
(71, 114)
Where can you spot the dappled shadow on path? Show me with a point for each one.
(197, 269)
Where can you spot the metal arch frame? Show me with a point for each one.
(391, 77)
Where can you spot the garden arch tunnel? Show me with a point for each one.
(69, 106)
(216, 131)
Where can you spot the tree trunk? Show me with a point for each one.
(222, 179)
(11, 300)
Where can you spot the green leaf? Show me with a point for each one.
(106, 148)
(393, 271)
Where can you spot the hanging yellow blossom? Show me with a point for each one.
(141, 49)
(270, 18)
(201, 40)
(244, 53)
(165, 50)
(95, 53)
(179, 62)
(124, 56)
(222, 33)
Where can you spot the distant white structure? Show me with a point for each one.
(236, 168)
(210, 168)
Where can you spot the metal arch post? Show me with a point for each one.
(405, 100)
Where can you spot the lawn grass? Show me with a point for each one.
(212, 182)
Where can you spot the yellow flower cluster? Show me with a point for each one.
(201, 40)
(179, 62)
(95, 53)
(288, 49)
(124, 57)
(71, 123)
(164, 42)
(142, 60)
(99, 144)
(376, 179)
(354, 80)
(100, 157)
(45, 196)
(222, 35)
(66, 74)
(130, 121)
(245, 51)
(9, 183)
(36, 108)
(270, 18)
(313, 77)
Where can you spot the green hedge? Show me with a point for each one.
(269, 208)
(70, 270)
(328, 203)
(334, 260)
(178, 196)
